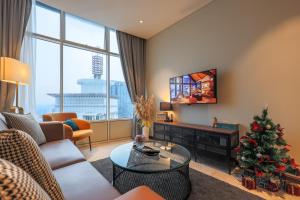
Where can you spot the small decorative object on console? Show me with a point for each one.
(139, 138)
(161, 116)
(166, 106)
(214, 122)
(145, 113)
(249, 182)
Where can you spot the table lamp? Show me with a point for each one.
(16, 72)
(166, 106)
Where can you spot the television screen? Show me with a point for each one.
(195, 88)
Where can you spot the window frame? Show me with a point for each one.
(63, 42)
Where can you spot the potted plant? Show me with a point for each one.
(145, 113)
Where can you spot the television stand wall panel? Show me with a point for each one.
(199, 139)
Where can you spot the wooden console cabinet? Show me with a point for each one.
(199, 139)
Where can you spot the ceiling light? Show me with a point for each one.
(141, 21)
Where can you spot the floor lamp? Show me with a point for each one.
(16, 72)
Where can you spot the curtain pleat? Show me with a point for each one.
(14, 15)
(133, 56)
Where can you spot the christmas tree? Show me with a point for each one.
(264, 150)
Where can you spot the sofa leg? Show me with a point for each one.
(90, 143)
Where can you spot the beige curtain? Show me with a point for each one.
(133, 56)
(14, 15)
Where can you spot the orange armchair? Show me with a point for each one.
(84, 126)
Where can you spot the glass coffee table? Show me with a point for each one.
(166, 173)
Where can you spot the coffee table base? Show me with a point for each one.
(172, 185)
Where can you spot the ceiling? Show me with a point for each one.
(125, 15)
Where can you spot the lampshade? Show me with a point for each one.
(165, 106)
(14, 71)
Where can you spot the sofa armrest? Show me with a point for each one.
(141, 192)
(53, 130)
(68, 131)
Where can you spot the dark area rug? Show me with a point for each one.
(203, 186)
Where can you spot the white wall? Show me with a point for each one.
(254, 44)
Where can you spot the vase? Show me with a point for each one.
(146, 131)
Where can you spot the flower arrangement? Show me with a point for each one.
(144, 110)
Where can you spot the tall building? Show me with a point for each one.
(90, 103)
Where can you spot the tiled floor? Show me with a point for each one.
(103, 150)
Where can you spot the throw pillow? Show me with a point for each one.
(17, 184)
(20, 149)
(72, 124)
(27, 124)
(3, 124)
(82, 124)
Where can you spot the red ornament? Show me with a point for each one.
(284, 160)
(244, 137)
(258, 173)
(260, 160)
(251, 141)
(256, 127)
(280, 168)
(237, 149)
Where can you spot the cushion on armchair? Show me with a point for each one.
(20, 149)
(82, 124)
(17, 184)
(27, 124)
(72, 124)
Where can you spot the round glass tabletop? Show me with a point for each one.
(170, 157)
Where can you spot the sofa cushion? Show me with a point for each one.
(83, 181)
(20, 149)
(17, 184)
(61, 153)
(27, 124)
(3, 124)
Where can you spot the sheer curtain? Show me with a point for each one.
(28, 54)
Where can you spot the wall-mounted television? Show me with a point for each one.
(195, 88)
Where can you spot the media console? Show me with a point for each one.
(199, 139)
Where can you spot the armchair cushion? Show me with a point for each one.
(72, 124)
(82, 124)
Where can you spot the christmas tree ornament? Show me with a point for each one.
(268, 126)
(259, 155)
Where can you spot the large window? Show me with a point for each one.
(47, 77)
(84, 32)
(78, 68)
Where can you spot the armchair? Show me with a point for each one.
(84, 126)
